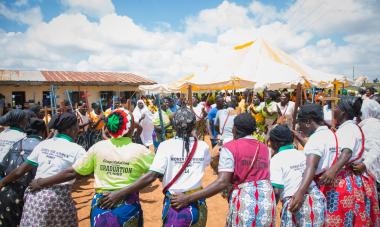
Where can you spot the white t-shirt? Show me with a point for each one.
(198, 111)
(349, 136)
(83, 119)
(54, 155)
(287, 111)
(7, 138)
(286, 170)
(221, 117)
(322, 143)
(169, 160)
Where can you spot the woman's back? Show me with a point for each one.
(54, 155)
(169, 159)
(243, 152)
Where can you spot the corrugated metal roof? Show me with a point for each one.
(72, 77)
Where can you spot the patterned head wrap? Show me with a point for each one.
(184, 123)
(119, 123)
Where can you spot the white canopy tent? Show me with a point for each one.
(157, 89)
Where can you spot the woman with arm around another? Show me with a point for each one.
(244, 163)
(286, 169)
(52, 206)
(178, 175)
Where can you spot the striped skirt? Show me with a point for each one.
(194, 215)
(51, 206)
(252, 204)
(126, 213)
(312, 213)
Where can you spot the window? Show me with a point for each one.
(106, 97)
(18, 98)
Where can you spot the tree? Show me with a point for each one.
(376, 81)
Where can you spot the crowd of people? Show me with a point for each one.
(264, 148)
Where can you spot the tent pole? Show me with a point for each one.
(297, 104)
(333, 95)
(190, 96)
(160, 116)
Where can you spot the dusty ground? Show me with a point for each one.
(151, 200)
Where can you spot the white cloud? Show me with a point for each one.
(71, 41)
(30, 17)
(94, 8)
(213, 21)
(20, 3)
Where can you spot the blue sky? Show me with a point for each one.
(168, 39)
(147, 13)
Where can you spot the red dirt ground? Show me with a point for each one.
(151, 200)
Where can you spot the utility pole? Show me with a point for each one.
(353, 73)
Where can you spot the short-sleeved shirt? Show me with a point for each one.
(169, 159)
(55, 155)
(323, 144)
(350, 137)
(7, 138)
(226, 122)
(211, 117)
(236, 156)
(286, 170)
(116, 163)
(287, 111)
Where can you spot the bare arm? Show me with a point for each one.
(63, 176)
(224, 179)
(329, 176)
(113, 198)
(311, 166)
(16, 174)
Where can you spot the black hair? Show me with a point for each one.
(310, 112)
(281, 135)
(13, 118)
(36, 126)
(62, 122)
(245, 125)
(351, 106)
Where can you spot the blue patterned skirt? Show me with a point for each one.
(252, 204)
(311, 213)
(193, 215)
(126, 213)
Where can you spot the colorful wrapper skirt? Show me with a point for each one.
(252, 204)
(194, 215)
(48, 207)
(351, 201)
(126, 213)
(11, 203)
(312, 213)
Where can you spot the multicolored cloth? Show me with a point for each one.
(51, 206)
(194, 215)
(312, 212)
(252, 204)
(126, 213)
(351, 201)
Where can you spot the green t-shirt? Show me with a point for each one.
(116, 163)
